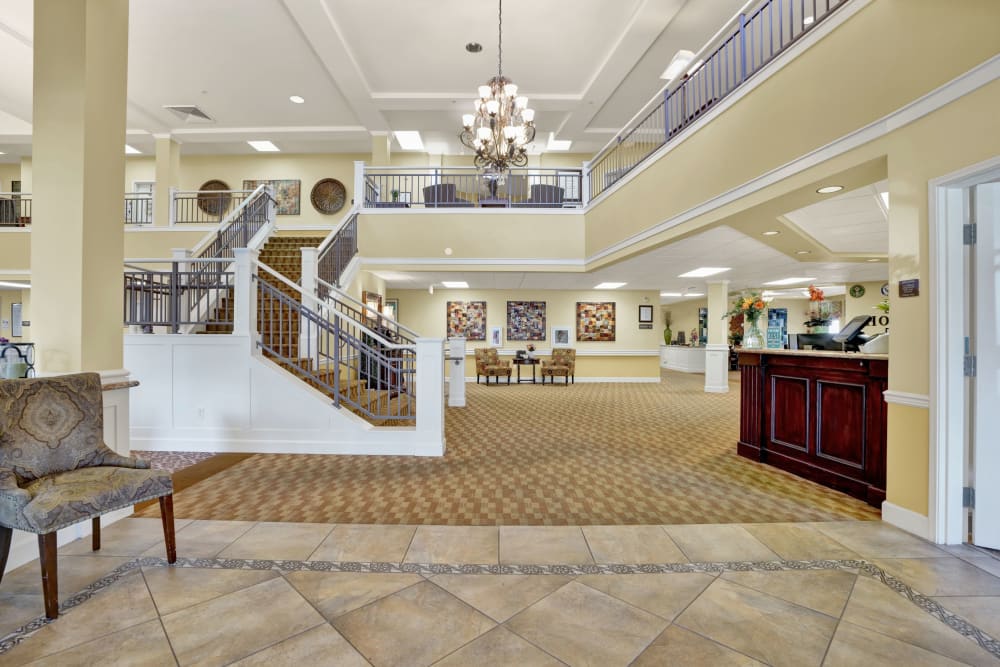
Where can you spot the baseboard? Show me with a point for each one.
(24, 546)
(717, 389)
(229, 444)
(580, 380)
(907, 520)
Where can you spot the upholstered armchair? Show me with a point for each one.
(55, 469)
(562, 363)
(443, 195)
(488, 363)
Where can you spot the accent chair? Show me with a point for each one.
(488, 363)
(55, 469)
(562, 363)
(546, 196)
(443, 195)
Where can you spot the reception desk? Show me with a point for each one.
(682, 358)
(819, 415)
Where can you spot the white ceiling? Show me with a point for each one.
(855, 222)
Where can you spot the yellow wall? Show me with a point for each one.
(8, 173)
(684, 317)
(139, 168)
(15, 249)
(865, 305)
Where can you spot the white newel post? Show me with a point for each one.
(430, 397)
(717, 350)
(308, 335)
(359, 183)
(245, 311)
(585, 183)
(456, 372)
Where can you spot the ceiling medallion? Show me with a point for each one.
(502, 125)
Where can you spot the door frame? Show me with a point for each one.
(946, 213)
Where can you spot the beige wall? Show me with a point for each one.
(139, 168)
(8, 173)
(684, 317)
(15, 249)
(865, 305)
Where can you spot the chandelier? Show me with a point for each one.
(503, 125)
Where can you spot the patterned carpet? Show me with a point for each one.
(171, 461)
(587, 454)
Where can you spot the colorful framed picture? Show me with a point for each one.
(525, 320)
(466, 318)
(287, 193)
(595, 321)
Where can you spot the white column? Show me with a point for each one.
(308, 336)
(245, 311)
(717, 350)
(456, 372)
(430, 397)
(359, 183)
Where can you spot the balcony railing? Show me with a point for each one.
(138, 208)
(205, 206)
(466, 187)
(15, 209)
(741, 48)
(174, 296)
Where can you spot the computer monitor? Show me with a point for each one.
(816, 341)
(850, 336)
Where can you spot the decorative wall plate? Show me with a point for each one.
(214, 204)
(857, 291)
(328, 195)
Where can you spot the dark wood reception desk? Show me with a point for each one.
(819, 415)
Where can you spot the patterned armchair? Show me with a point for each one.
(488, 363)
(55, 469)
(563, 363)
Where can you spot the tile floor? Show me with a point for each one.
(845, 593)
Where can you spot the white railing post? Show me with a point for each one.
(172, 206)
(308, 336)
(359, 183)
(245, 293)
(585, 183)
(272, 205)
(456, 372)
(430, 397)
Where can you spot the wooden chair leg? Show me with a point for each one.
(95, 534)
(50, 575)
(6, 535)
(167, 516)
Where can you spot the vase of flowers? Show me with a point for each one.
(750, 306)
(531, 350)
(820, 312)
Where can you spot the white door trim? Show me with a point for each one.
(946, 213)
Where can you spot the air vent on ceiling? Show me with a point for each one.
(189, 113)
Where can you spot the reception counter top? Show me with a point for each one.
(819, 415)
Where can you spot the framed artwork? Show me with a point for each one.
(645, 314)
(287, 193)
(560, 336)
(525, 320)
(391, 309)
(595, 321)
(467, 318)
(496, 336)
(15, 320)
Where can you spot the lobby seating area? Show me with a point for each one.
(488, 364)
(562, 364)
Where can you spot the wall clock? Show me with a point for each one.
(328, 195)
(885, 289)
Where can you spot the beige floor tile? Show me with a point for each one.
(793, 541)
(875, 539)
(320, 646)
(987, 563)
(473, 545)
(582, 626)
(17, 610)
(234, 626)
(75, 573)
(415, 626)
(278, 541)
(121, 605)
(825, 591)
(718, 543)
(126, 537)
(336, 593)
(853, 646)
(500, 596)
(941, 576)
(760, 625)
(205, 539)
(677, 646)
(365, 544)
(878, 608)
(665, 595)
(982, 611)
(543, 545)
(632, 544)
(178, 588)
(499, 648)
(143, 645)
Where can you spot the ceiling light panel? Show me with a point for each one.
(264, 146)
(455, 284)
(409, 140)
(704, 272)
(677, 65)
(609, 285)
(790, 281)
(129, 150)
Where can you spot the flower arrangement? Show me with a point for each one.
(883, 305)
(531, 347)
(750, 306)
(3, 341)
(819, 312)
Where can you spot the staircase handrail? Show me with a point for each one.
(359, 305)
(329, 243)
(207, 240)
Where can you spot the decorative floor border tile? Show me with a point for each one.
(862, 567)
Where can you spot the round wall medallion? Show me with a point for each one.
(885, 289)
(857, 291)
(214, 204)
(328, 196)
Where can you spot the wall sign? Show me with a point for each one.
(909, 287)
(857, 291)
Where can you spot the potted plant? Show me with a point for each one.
(820, 314)
(395, 195)
(668, 335)
(750, 306)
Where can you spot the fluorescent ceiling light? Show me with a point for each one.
(790, 281)
(885, 199)
(297, 99)
(671, 294)
(264, 146)
(15, 285)
(808, 20)
(409, 140)
(703, 272)
(129, 150)
(392, 276)
(694, 294)
(770, 232)
(557, 144)
(455, 284)
(609, 285)
(2, 153)
(677, 64)
(829, 189)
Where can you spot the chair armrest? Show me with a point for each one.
(12, 497)
(108, 457)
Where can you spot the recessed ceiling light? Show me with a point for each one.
(829, 189)
(298, 99)
(558, 144)
(264, 146)
(455, 284)
(671, 294)
(790, 281)
(808, 20)
(803, 252)
(704, 272)
(15, 285)
(609, 285)
(677, 65)
(129, 150)
(409, 140)
(770, 232)
(873, 259)
(448, 251)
